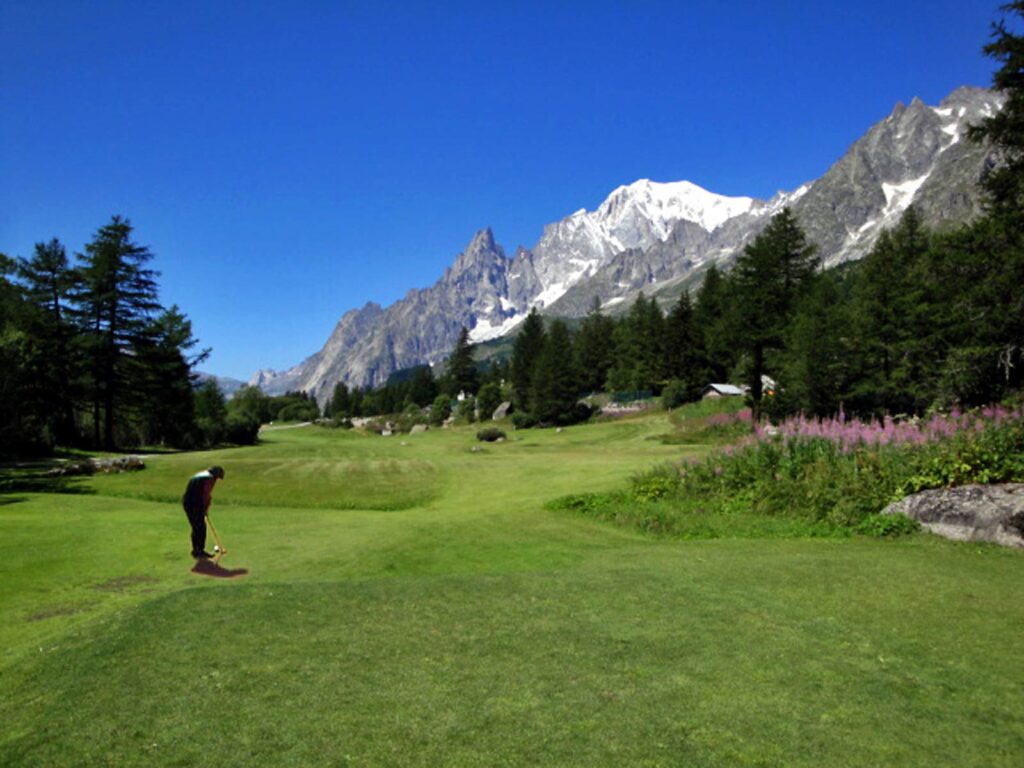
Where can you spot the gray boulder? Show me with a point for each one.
(501, 411)
(417, 428)
(992, 513)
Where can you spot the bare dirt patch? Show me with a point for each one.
(56, 610)
(124, 583)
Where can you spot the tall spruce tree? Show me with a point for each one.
(710, 315)
(639, 364)
(49, 285)
(462, 373)
(118, 297)
(993, 250)
(815, 363)
(684, 348)
(21, 421)
(1004, 185)
(423, 387)
(895, 321)
(594, 349)
(554, 380)
(163, 381)
(770, 277)
(526, 350)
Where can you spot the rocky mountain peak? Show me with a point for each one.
(482, 253)
(659, 237)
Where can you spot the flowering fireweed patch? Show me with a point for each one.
(818, 476)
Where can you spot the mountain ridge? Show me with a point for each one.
(659, 236)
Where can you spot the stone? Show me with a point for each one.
(501, 411)
(993, 513)
(417, 428)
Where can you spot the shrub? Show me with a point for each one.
(656, 483)
(523, 420)
(466, 412)
(440, 410)
(410, 417)
(489, 398)
(674, 394)
(299, 411)
(241, 429)
(887, 526)
(490, 435)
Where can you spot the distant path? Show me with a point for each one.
(268, 428)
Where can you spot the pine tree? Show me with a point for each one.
(462, 373)
(594, 348)
(815, 363)
(649, 336)
(1004, 185)
(684, 348)
(554, 382)
(893, 320)
(21, 421)
(526, 350)
(770, 277)
(118, 297)
(49, 284)
(423, 387)
(162, 379)
(639, 358)
(340, 404)
(710, 315)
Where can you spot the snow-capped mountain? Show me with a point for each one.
(659, 237)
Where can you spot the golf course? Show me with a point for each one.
(416, 600)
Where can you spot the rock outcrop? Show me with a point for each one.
(993, 513)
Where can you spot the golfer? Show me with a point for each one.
(196, 501)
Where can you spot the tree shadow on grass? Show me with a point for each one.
(216, 570)
(35, 477)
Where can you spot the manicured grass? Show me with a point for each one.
(419, 605)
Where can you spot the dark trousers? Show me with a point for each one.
(197, 519)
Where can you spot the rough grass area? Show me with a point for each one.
(469, 625)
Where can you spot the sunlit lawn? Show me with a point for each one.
(416, 604)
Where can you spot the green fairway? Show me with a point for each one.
(411, 601)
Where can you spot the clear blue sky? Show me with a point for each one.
(288, 161)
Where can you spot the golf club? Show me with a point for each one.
(219, 549)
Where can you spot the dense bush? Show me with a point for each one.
(410, 417)
(299, 411)
(490, 434)
(241, 429)
(466, 412)
(440, 410)
(675, 394)
(488, 399)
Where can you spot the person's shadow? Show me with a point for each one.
(216, 570)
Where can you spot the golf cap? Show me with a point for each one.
(217, 472)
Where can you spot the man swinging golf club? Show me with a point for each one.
(196, 501)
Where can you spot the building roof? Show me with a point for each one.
(725, 389)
